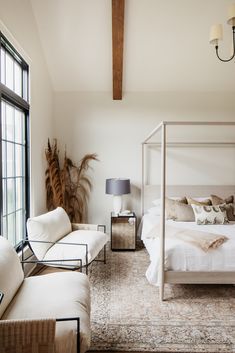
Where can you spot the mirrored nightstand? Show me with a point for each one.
(123, 231)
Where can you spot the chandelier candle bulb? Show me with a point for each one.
(231, 15)
(216, 34)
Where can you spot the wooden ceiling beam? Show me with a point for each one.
(117, 36)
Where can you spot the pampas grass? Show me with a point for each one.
(68, 187)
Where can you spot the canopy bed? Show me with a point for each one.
(172, 260)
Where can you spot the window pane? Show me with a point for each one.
(10, 195)
(19, 193)
(9, 122)
(9, 71)
(11, 228)
(4, 196)
(25, 94)
(3, 66)
(20, 221)
(10, 159)
(3, 112)
(4, 160)
(4, 226)
(19, 160)
(18, 78)
(19, 126)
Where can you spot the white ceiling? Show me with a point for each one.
(166, 45)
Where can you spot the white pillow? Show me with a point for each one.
(51, 226)
(155, 211)
(157, 202)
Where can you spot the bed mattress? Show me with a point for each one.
(181, 256)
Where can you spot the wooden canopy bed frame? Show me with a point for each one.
(147, 192)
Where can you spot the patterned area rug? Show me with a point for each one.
(127, 315)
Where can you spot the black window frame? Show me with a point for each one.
(22, 103)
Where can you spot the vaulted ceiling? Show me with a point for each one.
(165, 45)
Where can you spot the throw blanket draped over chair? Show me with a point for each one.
(27, 336)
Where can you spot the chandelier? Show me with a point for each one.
(216, 33)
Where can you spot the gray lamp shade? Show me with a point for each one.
(117, 186)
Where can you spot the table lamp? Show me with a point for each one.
(117, 187)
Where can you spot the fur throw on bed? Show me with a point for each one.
(203, 240)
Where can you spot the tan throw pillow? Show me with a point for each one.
(210, 214)
(206, 202)
(184, 213)
(216, 200)
(171, 205)
(230, 211)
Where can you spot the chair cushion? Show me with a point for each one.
(11, 273)
(95, 240)
(50, 226)
(56, 295)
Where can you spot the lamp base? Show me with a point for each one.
(117, 204)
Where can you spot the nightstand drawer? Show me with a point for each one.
(123, 232)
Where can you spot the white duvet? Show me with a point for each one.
(182, 256)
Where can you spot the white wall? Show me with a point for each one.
(93, 122)
(19, 26)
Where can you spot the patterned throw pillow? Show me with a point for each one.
(210, 214)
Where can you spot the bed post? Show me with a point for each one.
(143, 181)
(162, 229)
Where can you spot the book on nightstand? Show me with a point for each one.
(126, 213)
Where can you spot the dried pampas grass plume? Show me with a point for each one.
(68, 187)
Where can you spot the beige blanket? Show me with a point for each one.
(27, 336)
(204, 240)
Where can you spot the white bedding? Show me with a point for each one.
(182, 256)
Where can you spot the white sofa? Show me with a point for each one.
(54, 240)
(55, 295)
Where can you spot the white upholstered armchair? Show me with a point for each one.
(57, 242)
(26, 304)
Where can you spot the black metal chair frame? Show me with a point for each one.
(78, 328)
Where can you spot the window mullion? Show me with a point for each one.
(14, 98)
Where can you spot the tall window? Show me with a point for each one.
(14, 114)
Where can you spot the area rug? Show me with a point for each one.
(128, 316)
